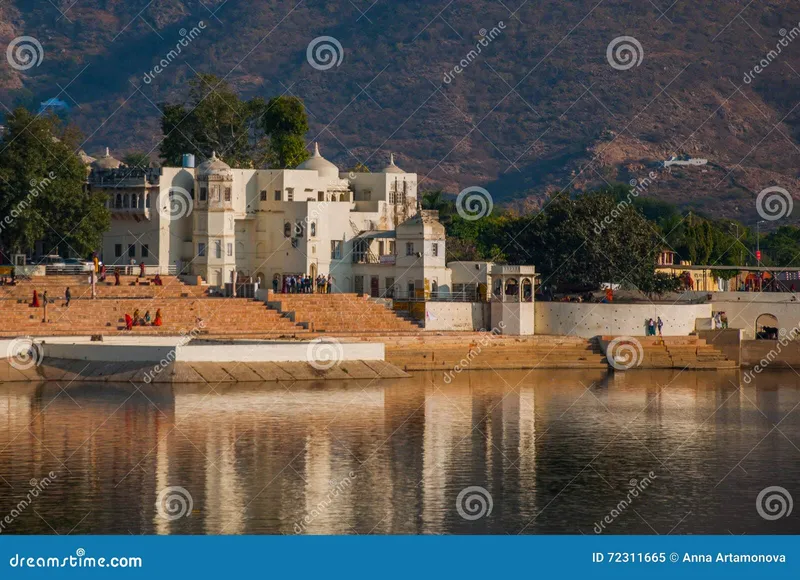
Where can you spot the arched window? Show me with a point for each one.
(498, 287)
(134, 201)
(512, 287)
(527, 290)
(313, 229)
(147, 200)
(126, 201)
(342, 197)
(287, 230)
(298, 229)
(434, 289)
(118, 203)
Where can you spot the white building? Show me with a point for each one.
(364, 229)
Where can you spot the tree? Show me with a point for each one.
(214, 118)
(42, 193)
(434, 200)
(285, 122)
(137, 159)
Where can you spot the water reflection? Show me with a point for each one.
(555, 450)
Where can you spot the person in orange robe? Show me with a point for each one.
(128, 321)
(157, 321)
(35, 301)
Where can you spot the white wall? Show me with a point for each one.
(588, 320)
(464, 316)
(744, 312)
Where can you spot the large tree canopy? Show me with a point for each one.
(42, 190)
(285, 122)
(214, 118)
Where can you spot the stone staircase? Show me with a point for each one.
(475, 351)
(339, 313)
(678, 352)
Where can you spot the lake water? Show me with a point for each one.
(550, 451)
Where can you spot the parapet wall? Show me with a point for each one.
(588, 319)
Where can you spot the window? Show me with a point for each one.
(201, 249)
(217, 249)
(215, 193)
(118, 204)
(203, 194)
(117, 250)
(290, 193)
(320, 196)
(392, 248)
(126, 201)
(264, 195)
(147, 199)
(227, 194)
(134, 201)
(410, 249)
(287, 230)
(313, 229)
(230, 249)
(435, 249)
(277, 195)
(145, 251)
(336, 249)
(298, 229)
(131, 250)
(381, 247)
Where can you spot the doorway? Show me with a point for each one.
(374, 286)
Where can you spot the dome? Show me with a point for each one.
(319, 164)
(214, 166)
(392, 168)
(106, 162)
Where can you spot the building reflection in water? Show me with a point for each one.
(554, 450)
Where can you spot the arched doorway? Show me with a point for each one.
(767, 327)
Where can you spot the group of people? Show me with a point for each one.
(653, 325)
(304, 284)
(138, 320)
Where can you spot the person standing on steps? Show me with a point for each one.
(660, 325)
(67, 296)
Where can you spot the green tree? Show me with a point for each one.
(42, 190)
(435, 200)
(213, 118)
(285, 122)
(137, 159)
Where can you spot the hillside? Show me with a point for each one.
(539, 108)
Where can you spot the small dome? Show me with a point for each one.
(319, 164)
(214, 166)
(106, 162)
(392, 168)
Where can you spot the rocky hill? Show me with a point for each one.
(519, 97)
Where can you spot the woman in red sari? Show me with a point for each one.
(35, 301)
(128, 321)
(157, 321)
